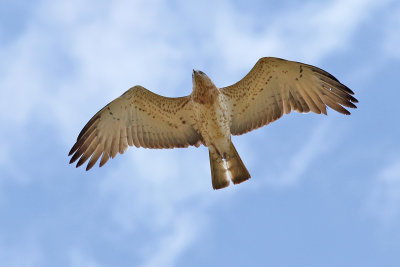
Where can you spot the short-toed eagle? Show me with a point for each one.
(210, 115)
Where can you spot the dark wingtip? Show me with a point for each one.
(324, 73)
(353, 99)
(90, 164)
(80, 162)
(74, 158)
(345, 111)
(71, 151)
(347, 89)
(351, 105)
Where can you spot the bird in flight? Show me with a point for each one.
(210, 115)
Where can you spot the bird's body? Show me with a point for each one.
(212, 121)
(210, 115)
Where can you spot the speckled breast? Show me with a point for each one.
(212, 121)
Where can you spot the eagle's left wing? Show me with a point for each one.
(276, 86)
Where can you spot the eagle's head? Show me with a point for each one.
(204, 90)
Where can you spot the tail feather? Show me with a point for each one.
(219, 175)
(233, 168)
(237, 169)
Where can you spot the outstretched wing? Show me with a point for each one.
(138, 117)
(276, 86)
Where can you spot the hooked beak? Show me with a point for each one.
(197, 72)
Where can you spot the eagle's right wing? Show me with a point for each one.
(138, 117)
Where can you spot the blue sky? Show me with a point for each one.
(325, 190)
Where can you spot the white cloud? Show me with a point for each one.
(307, 32)
(295, 163)
(154, 186)
(384, 199)
(10, 169)
(171, 245)
(307, 154)
(152, 192)
(22, 82)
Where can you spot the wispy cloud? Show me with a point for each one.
(316, 28)
(168, 248)
(305, 157)
(384, 199)
(153, 187)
